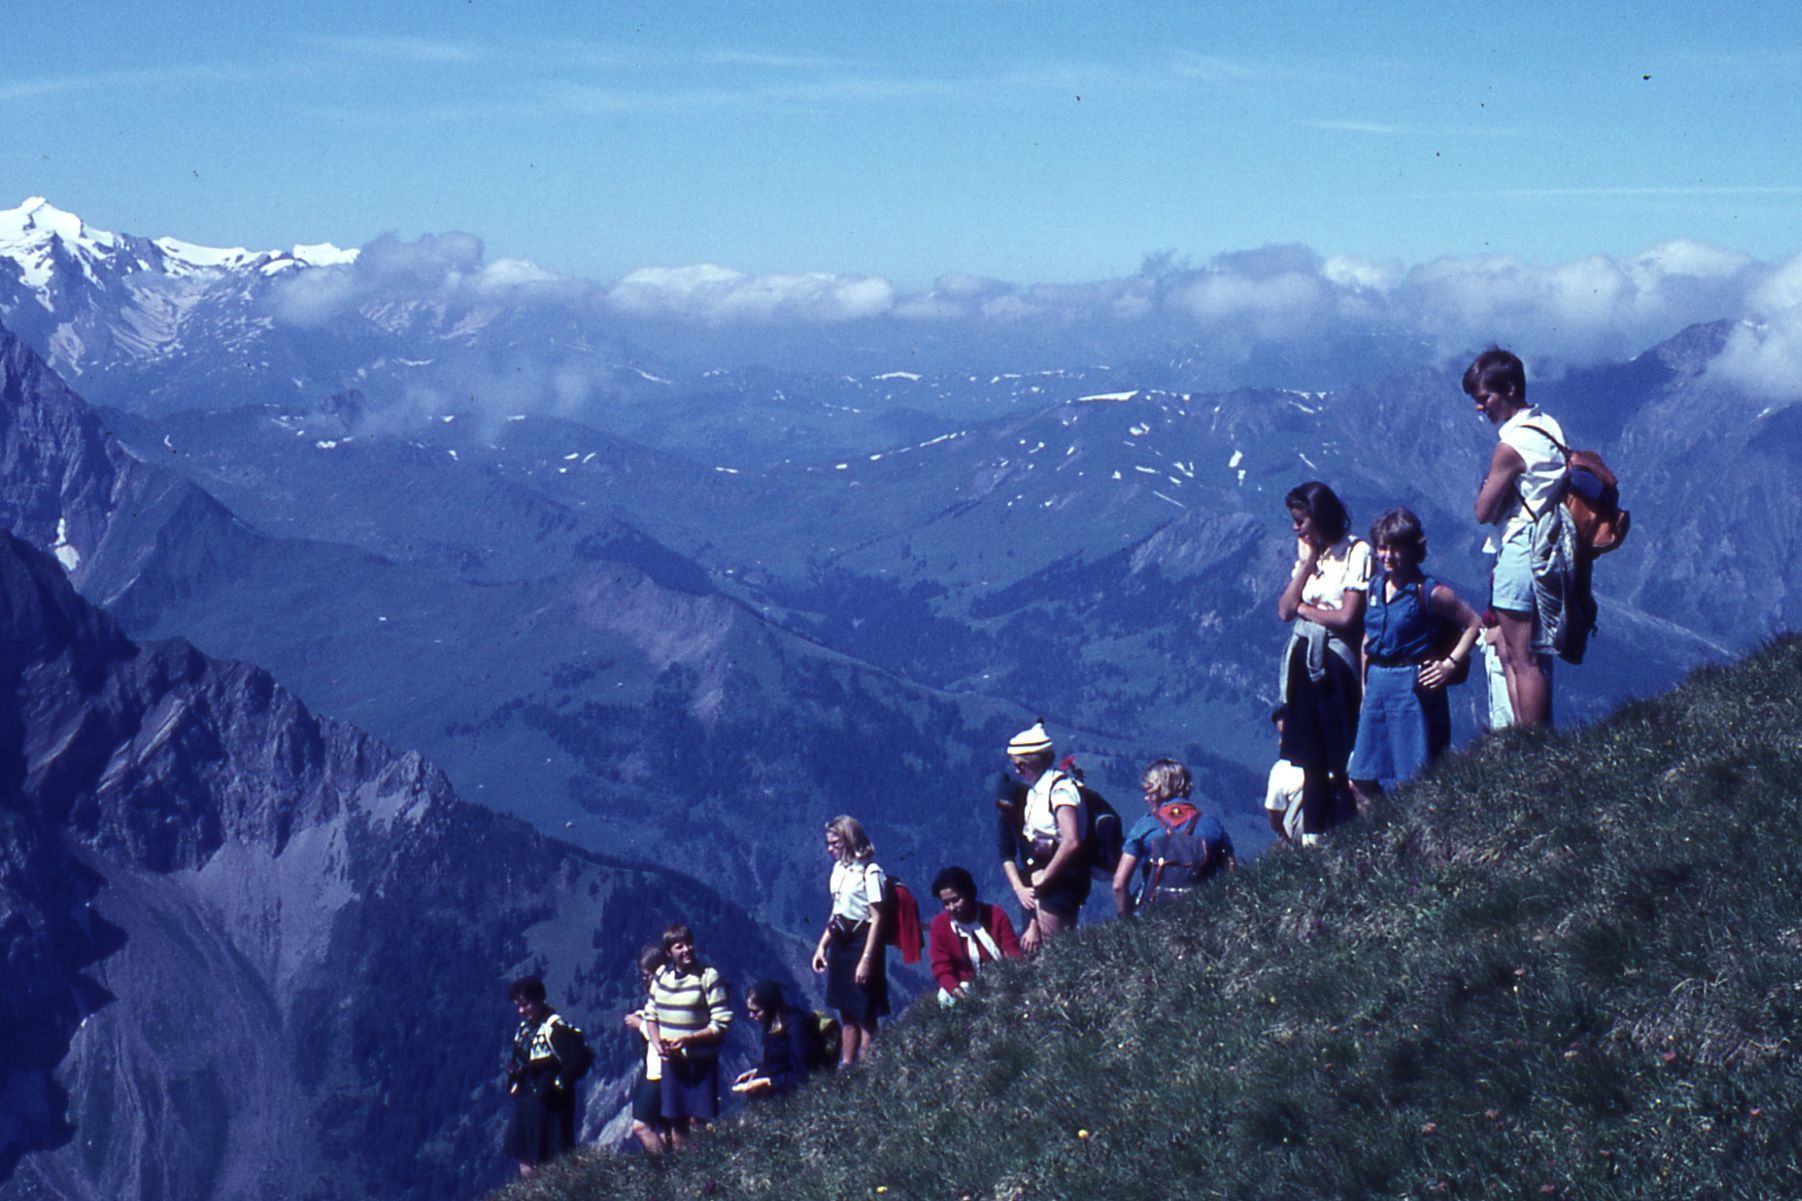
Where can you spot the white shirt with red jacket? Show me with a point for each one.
(955, 953)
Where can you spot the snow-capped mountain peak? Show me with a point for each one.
(37, 220)
(92, 298)
(29, 232)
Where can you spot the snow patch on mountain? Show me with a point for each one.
(65, 553)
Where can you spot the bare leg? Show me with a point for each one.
(855, 1039)
(1528, 687)
(1054, 923)
(1366, 792)
(651, 1139)
(679, 1132)
(525, 1169)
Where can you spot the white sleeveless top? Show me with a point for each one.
(1539, 484)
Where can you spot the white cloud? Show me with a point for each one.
(444, 268)
(1343, 126)
(1355, 274)
(719, 295)
(1764, 353)
(1238, 307)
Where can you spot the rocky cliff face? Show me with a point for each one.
(252, 952)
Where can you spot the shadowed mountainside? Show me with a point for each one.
(251, 952)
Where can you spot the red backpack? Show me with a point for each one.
(901, 921)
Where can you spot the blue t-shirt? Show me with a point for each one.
(1208, 829)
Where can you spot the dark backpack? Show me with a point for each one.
(1178, 857)
(574, 1055)
(1592, 498)
(1105, 835)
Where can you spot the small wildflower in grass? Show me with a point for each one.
(1429, 1128)
(1082, 1134)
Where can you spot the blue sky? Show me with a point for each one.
(1025, 141)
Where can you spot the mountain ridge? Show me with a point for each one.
(213, 895)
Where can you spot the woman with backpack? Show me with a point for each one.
(790, 1043)
(549, 1055)
(1055, 882)
(1526, 478)
(850, 951)
(1405, 722)
(686, 1019)
(1324, 602)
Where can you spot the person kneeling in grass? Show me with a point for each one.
(967, 936)
(790, 1043)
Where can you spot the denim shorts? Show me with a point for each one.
(1511, 583)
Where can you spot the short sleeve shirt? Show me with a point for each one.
(1343, 566)
(1049, 793)
(855, 884)
(1544, 474)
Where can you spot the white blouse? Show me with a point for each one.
(856, 884)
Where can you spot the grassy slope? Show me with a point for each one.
(1563, 965)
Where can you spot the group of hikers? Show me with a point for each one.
(1374, 643)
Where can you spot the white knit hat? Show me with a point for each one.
(1031, 741)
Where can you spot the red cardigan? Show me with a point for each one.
(945, 950)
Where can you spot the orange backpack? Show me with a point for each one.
(1592, 497)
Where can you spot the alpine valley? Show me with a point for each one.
(672, 614)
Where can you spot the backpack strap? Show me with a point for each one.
(1562, 449)
(1151, 884)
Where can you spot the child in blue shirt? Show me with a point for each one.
(1163, 782)
(1405, 722)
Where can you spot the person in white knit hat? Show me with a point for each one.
(1056, 880)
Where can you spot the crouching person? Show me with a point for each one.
(967, 936)
(790, 1043)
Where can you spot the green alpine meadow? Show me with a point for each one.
(1560, 965)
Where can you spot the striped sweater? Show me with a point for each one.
(688, 1004)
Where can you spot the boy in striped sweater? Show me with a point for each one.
(686, 1019)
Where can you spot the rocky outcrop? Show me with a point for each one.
(252, 952)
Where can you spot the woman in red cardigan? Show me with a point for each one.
(966, 936)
